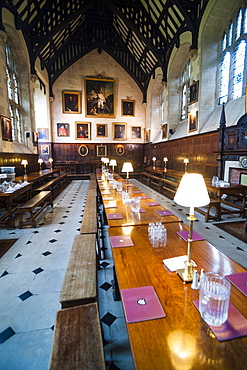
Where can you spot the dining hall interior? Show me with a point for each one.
(123, 183)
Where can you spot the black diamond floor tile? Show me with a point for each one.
(57, 231)
(28, 242)
(222, 237)
(18, 255)
(104, 264)
(52, 327)
(65, 216)
(106, 286)
(25, 295)
(240, 249)
(108, 319)
(61, 223)
(6, 334)
(52, 241)
(4, 273)
(112, 366)
(46, 253)
(78, 229)
(12, 233)
(38, 271)
(41, 224)
(36, 232)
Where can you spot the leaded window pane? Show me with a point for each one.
(224, 77)
(238, 25)
(238, 70)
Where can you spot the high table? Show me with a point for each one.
(181, 340)
(38, 176)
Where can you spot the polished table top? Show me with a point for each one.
(36, 176)
(181, 340)
(112, 198)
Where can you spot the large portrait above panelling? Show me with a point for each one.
(100, 97)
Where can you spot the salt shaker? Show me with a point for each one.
(195, 284)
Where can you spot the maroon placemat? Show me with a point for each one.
(165, 213)
(121, 241)
(145, 197)
(141, 304)
(239, 280)
(151, 204)
(114, 216)
(234, 327)
(185, 235)
(141, 210)
(137, 191)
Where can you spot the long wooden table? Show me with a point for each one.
(181, 340)
(39, 176)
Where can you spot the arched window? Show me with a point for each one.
(185, 86)
(233, 61)
(13, 87)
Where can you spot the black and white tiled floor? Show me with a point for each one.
(32, 273)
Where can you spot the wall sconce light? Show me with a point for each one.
(113, 163)
(186, 161)
(154, 160)
(192, 192)
(50, 161)
(127, 167)
(24, 162)
(165, 160)
(40, 161)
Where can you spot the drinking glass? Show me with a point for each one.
(119, 186)
(135, 204)
(214, 298)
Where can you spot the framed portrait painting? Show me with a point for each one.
(193, 121)
(120, 150)
(119, 131)
(6, 126)
(44, 149)
(101, 130)
(101, 150)
(164, 131)
(100, 97)
(136, 132)
(43, 133)
(147, 135)
(62, 129)
(83, 150)
(71, 102)
(194, 92)
(128, 107)
(83, 130)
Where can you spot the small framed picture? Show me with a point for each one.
(164, 131)
(6, 126)
(63, 129)
(120, 150)
(44, 149)
(43, 133)
(83, 150)
(194, 92)
(128, 107)
(147, 135)
(136, 132)
(83, 130)
(71, 102)
(119, 131)
(101, 150)
(101, 130)
(193, 121)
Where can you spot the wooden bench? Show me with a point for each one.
(80, 285)
(213, 203)
(41, 200)
(50, 185)
(77, 342)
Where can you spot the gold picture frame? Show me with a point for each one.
(101, 150)
(119, 131)
(128, 107)
(101, 130)
(120, 150)
(193, 121)
(83, 150)
(164, 131)
(100, 97)
(71, 102)
(136, 132)
(83, 130)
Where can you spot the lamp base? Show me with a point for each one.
(186, 274)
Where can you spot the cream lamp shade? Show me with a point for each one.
(186, 160)
(154, 159)
(127, 167)
(113, 162)
(107, 160)
(50, 160)
(24, 162)
(40, 160)
(192, 191)
(165, 159)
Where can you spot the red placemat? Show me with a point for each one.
(145, 197)
(114, 216)
(121, 241)
(185, 235)
(141, 304)
(234, 327)
(137, 191)
(165, 213)
(239, 280)
(151, 204)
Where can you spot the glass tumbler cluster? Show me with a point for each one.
(157, 234)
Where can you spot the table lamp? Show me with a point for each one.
(192, 192)
(24, 162)
(154, 160)
(127, 167)
(113, 163)
(50, 161)
(107, 161)
(186, 161)
(40, 161)
(165, 160)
